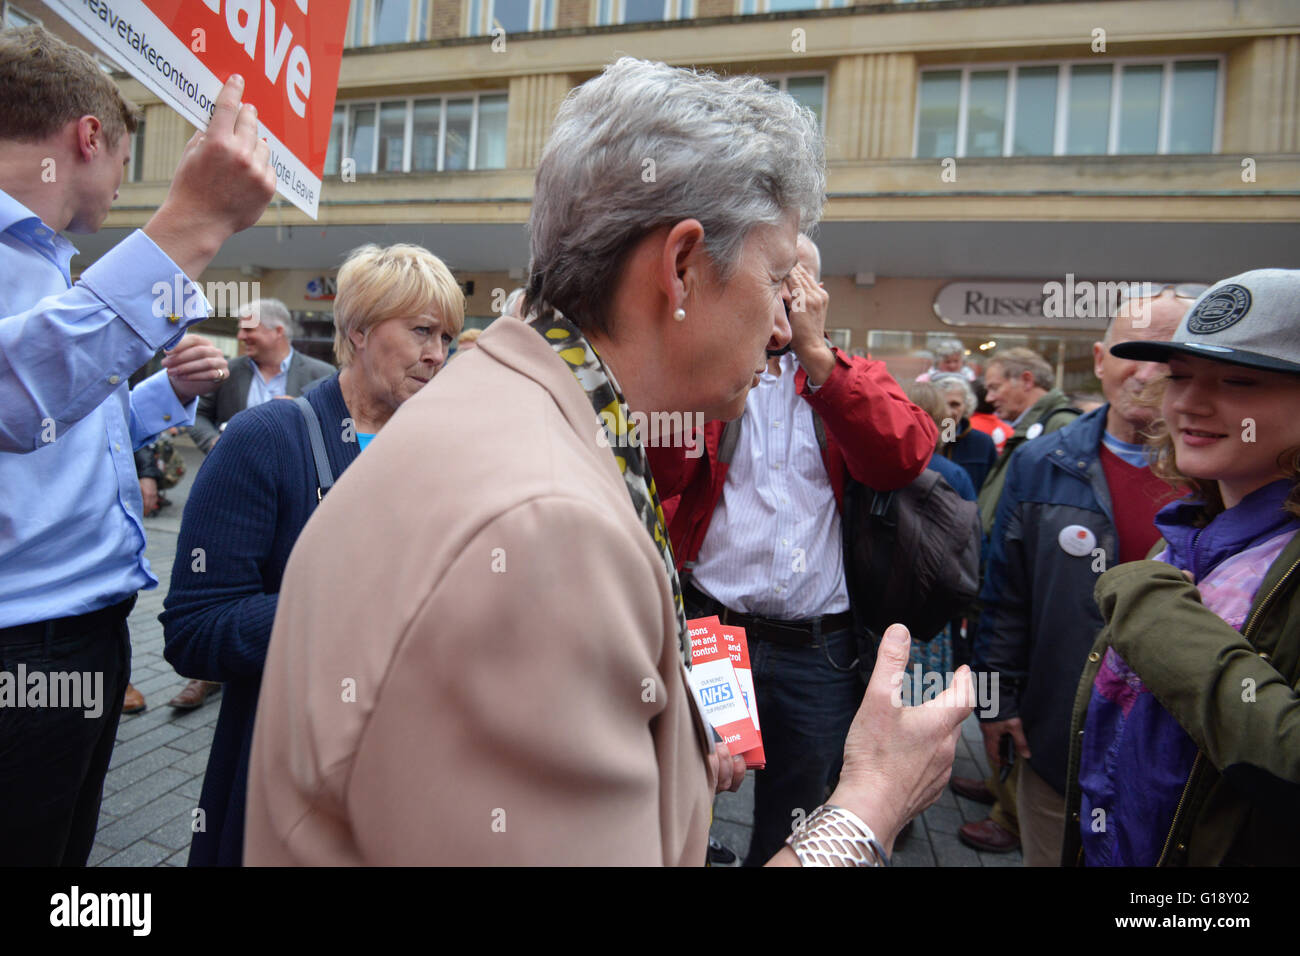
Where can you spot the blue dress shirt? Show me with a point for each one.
(260, 390)
(71, 515)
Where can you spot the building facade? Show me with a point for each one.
(978, 150)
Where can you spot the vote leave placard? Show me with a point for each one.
(184, 50)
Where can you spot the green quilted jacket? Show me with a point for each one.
(1236, 694)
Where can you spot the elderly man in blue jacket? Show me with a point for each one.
(1075, 502)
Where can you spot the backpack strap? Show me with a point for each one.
(324, 476)
(727, 443)
(820, 428)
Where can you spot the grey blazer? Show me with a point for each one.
(217, 408)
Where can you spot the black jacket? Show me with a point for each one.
(1039, 616)
(222, 405)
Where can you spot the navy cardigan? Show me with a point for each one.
(250, 500)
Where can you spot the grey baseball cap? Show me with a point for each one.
(1252, 319)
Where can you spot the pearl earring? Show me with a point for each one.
(680, 315)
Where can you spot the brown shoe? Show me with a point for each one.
(988, 836)
(134, 701)
(194, 694)
(972, 789)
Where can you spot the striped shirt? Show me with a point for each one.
(773, 544)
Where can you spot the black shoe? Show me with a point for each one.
(719, 855)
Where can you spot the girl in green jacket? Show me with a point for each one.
(1186, 740)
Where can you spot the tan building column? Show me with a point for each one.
(1261, 110)
(872, 101)
(166, 134)
(533, 103)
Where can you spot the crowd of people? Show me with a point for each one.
(472, 648)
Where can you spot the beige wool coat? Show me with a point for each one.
(475, 657)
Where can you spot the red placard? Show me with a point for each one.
(288, 52)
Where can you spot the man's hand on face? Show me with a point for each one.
(808, 303)
(195, 367)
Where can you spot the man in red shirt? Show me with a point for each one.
(1075, 502)
(758, 530)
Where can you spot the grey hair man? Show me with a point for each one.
(272, 369)
(1022, 387)
(761, 534)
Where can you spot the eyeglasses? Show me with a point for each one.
(1151, 290)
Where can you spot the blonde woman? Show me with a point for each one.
(398, 309)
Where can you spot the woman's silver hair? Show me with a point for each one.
(945, 347)
(644, 145)
(951, 382)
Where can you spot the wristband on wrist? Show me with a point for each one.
(833, 836)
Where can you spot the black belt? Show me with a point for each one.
(791, 633)
(67, 626)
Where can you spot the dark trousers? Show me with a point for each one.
(807, 697)
(53, 760)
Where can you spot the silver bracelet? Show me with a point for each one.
(833, 836)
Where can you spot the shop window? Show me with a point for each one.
(807, 89)
(1132, 106)
(428, 134)
(137, 154)
(778, 6)
(375, 22)
(610, 12)
(512, 16)
(16, 18)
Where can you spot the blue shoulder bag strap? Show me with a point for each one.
(324, 476)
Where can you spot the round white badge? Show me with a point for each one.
(1077, 540)
(1034, 430)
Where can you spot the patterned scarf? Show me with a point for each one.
(612, 412)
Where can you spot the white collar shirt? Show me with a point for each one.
(773, 547)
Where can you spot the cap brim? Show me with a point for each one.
(1160, 352)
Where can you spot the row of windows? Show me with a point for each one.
(460, 132)
(1063, 109)
(424, 134)
(374, 22)
(1138, 106)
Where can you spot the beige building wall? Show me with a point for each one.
(1262, 101)
(872, 102)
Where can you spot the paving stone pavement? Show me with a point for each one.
(156, 773)
(158, 761)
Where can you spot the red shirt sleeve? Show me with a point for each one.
(886, 441)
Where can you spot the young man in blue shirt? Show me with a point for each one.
(71, 534)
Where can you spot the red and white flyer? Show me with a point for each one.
(738, 650)
(717, 687)
(185, 50)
